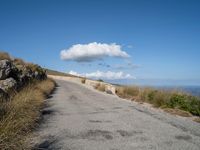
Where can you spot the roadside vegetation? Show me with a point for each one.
(100, 87)
(83, 80)
(23, 90)
(100, 80)
(19, 114)
(174, 102)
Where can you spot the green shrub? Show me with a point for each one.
(100, 80)
(162, 98)
(185, 102)
(151, 95)
(144, 94)
(178, 101)
(194, 105)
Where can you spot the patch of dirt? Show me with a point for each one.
(178, 112)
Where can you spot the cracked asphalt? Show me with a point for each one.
(79, 118)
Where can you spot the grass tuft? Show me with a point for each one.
(4, 55)
(21, 113)
(83, 80)
(19, 61)
(100, 87)
(127, 91)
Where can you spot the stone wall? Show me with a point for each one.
(14, 74)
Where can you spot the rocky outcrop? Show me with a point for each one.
(8, 84)
(5, 69)
(14, 76)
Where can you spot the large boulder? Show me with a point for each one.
(5, 69)
(8, 85)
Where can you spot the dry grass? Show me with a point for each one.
(4, 55)
(197, 120)
(127, 91)
(179, 101)
(100, 87)
(178, 112)
(18, 61)
(83, 80)
(21, 113)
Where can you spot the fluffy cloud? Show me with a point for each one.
(74, 73)
(109, 75)
(92, 51)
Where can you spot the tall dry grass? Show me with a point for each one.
(4, 55)
(127, 91)
(161, 98)
(19, 61)
(20, 114)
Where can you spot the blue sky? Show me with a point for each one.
(161, 37)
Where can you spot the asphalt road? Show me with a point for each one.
(79, 118)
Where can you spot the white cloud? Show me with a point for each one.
(74, 73)
(109, 75)
(92, 51)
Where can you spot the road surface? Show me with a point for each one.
(79, 118)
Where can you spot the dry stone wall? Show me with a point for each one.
(14, 75)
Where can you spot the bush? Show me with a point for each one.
(162, 98)
(100, 80)
(83, 80)
(194, 105)
(127, 91)
(151, 95)
(178, 101)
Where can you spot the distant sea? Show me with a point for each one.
(164, 84)
(193, 90)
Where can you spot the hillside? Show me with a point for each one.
(57, 73)
(23, 89)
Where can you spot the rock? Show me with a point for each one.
(109, 92)
(8, 84)
(14, 74)
(5, 69)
